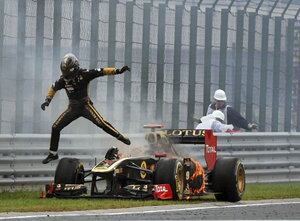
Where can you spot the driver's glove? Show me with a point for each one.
(46, 103)
(122, 70)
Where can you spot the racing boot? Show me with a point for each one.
(125, 140)
(50, 157)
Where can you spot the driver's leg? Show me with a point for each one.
(92, 114)
(62, 121)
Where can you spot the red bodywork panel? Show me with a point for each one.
(162, 191)
(210, 150)
(49, 190)
(160, 154)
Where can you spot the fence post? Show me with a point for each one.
(39, 49)
(20, 65)
(94, 48)
(276, 71)
(1, 51)
(76, 27)
(176, 66)
(250, 66)
(207, 58)
(192, 66)
(297, 70)
(223, 49)
(239, 59)
(56, 51)
(110, 97)
(263, 73)
(128, 61)
(94, 44)
(160, 61)
(289, 74)
(298, 100)
(145, 62)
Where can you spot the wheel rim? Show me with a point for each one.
(240, 179)
(79, 175)
(179, 180)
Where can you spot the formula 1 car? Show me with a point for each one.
(157, 177)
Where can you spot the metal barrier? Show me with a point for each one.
(268, 157)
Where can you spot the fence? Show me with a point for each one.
(179, 52)
(268, 157)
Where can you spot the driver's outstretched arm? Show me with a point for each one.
(94, 73)
(59, 84)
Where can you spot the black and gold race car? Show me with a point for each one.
(157, 177)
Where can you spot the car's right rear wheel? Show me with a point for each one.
(228, 179)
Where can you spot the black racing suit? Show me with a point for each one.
(80, 104)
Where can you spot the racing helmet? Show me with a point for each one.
(69, 65)
(112, 153)
(220, 95)
(218, 115)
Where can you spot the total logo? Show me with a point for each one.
(210, 149)
(160, 189)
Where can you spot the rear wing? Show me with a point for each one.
(189, 136)
(185, 136)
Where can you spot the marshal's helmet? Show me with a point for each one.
(220, 95)
(69, 65)
(218, 115)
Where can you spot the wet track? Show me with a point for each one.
(247, 210)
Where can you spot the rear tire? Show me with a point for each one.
(170, 171)
(69, 171)
(228, 179)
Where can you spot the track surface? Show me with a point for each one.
(245, 210)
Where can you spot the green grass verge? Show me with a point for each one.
(30, 202)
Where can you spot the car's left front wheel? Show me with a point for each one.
(69, 171)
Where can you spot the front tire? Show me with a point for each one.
(170, 171)
(229, 179)
(69, 171)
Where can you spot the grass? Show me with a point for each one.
(29, 201)
(272, 191)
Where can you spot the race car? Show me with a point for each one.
(157, 177)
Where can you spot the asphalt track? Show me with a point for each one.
(245, 210)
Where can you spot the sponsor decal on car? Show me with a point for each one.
(162, 191)
(143, 166)
(210, 149)
(186, 132)
(138, 187)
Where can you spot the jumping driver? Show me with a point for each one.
(75, 81)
